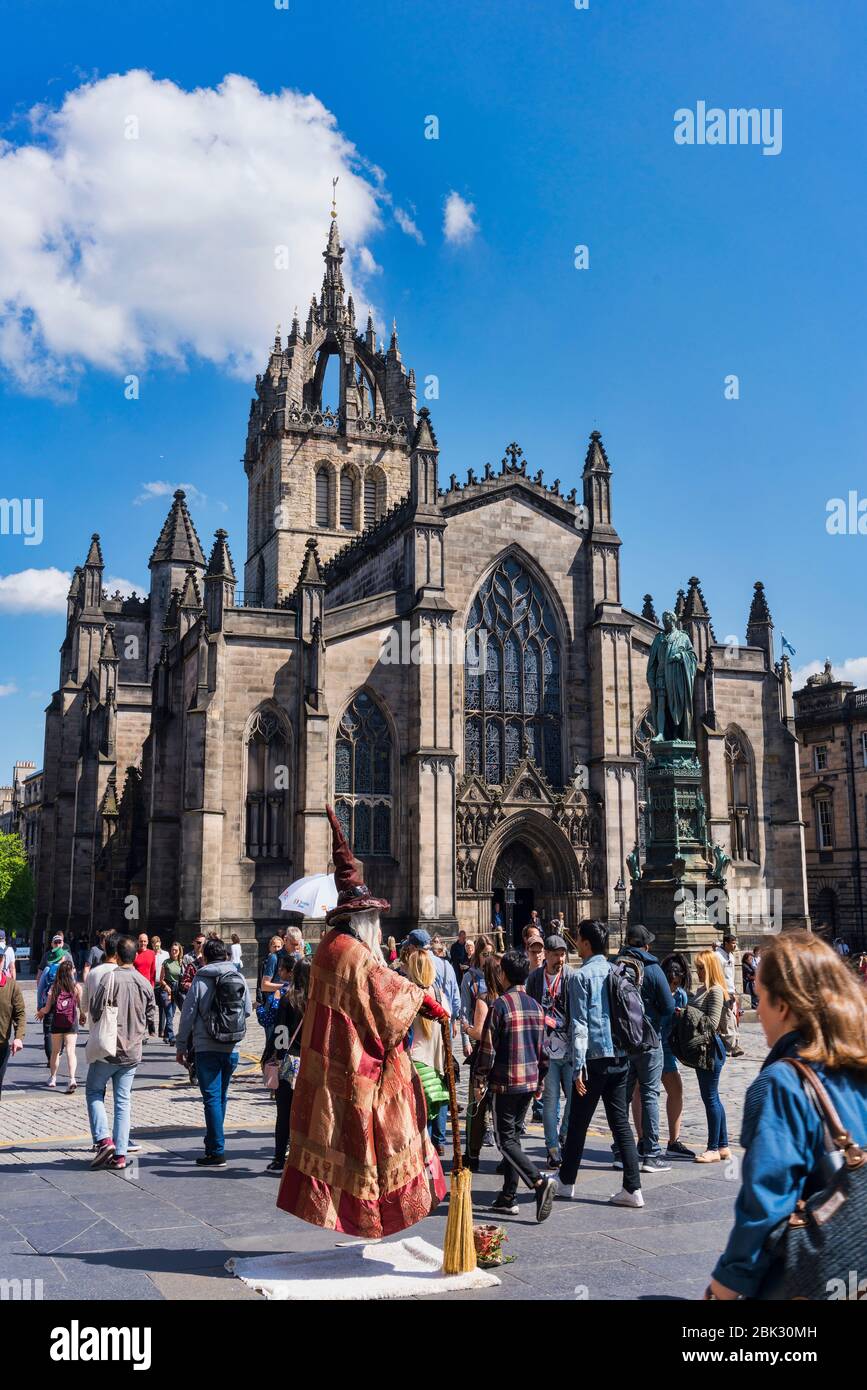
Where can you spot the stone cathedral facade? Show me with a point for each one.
(451, 664)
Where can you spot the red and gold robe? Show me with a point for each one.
(360, 1159)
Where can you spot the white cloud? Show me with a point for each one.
(116, 251)
(44, 591)
(10, 688)
(159, 489)
(459, 224)
(406, 224)
(34, 591)
(854, 668)
(367, 262)
(114, 585)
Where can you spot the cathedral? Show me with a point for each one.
(450, 664)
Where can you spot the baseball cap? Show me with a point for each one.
(419, 939)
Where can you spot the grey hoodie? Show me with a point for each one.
(196, 1006)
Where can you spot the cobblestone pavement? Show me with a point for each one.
(166, 1229)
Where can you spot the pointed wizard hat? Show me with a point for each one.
(352, 894)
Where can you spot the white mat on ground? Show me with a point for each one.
(396, 1269)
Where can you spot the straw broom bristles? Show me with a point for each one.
(459, 1250)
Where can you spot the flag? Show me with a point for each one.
(788, 649)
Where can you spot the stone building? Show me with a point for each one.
(831, 718)
(452, 666)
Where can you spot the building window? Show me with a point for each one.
(739, 784)
(323, 496)
(824, 823)
(512, 702)
(820, 757)
(864, 749)
(362, 778)
(267, 818)
(374, 496)
(347, 501)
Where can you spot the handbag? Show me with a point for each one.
(102, 1038)
(291, 1065)
(823, 1237)
(271, 1073)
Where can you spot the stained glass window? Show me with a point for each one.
(362, 777)
(512, 695)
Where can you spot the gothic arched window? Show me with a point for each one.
(740, 798)
(323, 495)
(347, 501)
(512, 700)
(362, 778)
(267, 805)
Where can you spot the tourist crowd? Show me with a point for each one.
(540, 1035)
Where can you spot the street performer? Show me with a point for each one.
(360, 1159)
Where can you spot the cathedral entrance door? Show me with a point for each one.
(517, 863)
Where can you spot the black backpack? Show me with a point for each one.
(692, 1038)
(226, 1019)
(631, 1030)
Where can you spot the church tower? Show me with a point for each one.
(328, 438)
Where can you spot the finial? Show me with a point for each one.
(334, 182)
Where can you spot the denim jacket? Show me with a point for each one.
(590, 1012)
(785, 1157)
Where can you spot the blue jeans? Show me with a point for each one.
(559, 1078)
(708, 1085)
(436, 1123)
(645, 1070)
(214, 1071)
(98, 1076)
(169, 1010)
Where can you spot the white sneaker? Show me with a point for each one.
(627, 1199)
(565, 1190)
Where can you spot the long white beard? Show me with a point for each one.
(367, 928)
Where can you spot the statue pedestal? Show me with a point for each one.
(676, 895)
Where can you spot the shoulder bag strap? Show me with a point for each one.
(836, 1131)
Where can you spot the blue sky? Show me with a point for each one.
(556, 127)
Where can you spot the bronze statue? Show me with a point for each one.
(671, 669)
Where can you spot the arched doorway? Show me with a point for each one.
(531, 850)
(517, 865)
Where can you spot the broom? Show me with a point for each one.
(459, 1250)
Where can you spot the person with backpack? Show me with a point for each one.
(214, 1018)
(122, 1009)
(710, 999)
(60, 1012)
(803, 1149)
(45, 977)
(600, 1012)
(645, 1067)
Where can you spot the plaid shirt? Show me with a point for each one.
(512, 1057)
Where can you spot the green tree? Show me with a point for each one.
(16, 887)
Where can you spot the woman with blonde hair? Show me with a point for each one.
(428, 1050)
(811, 1007)
(710, 998)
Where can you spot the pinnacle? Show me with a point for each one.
(94, 554)
(759, 611)
(596, 459)
(178, 542)
(220, 563)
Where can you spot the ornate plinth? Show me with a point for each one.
(677, 893)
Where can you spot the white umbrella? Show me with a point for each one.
(312, 896)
